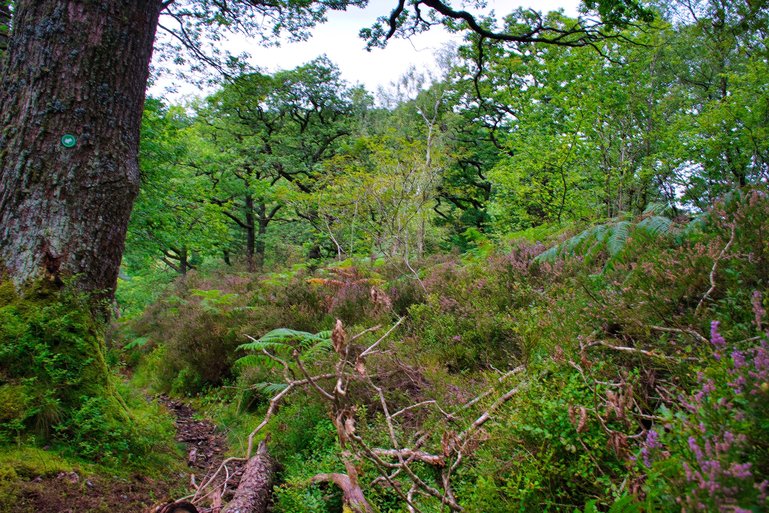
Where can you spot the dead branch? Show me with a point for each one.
(373, 346)
(209, 481)
(426, 457)
(685, 331)
(414, 478)
(253, 492)
(310, 379)
(714, 270)
(635, 350)
(352, 495)
(487, 415)
(490, 391)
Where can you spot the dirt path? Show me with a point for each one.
(205, 446)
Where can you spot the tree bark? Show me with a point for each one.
(5, 24)
(260, 245)
(250, 233)
(253, 492)
(74, 68)
(352, 495)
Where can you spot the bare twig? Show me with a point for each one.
(685, 331)
(373, 346)
(310, 379)
(635, 350)
(714, 270)
(426, 457)
(490, 391)
(486, 415)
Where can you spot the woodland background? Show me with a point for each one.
(569, 244)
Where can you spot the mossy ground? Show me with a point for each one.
(66, 420)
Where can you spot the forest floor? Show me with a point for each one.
(206, 447)
(87, 492)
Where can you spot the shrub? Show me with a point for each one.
(712, 454)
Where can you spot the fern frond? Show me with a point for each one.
(316, 350)
(549, 255)
(137, 342)
(655, 225)
(255, 360)
(625, 504)
(280, 338)
(258, 345)
(270, 388)
(656, 209)
(611, 237)
(693, 227)
(618, 238)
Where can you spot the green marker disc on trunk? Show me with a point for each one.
(68, 140)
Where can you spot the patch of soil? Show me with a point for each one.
(73, 493)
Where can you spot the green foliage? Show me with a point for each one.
(139, 439)
(308, 446)
(625, 504)
(55, 385)
(621, 166)
(53, 353)
(539, 456)
(608, 241)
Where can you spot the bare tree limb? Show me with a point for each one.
(714, 270)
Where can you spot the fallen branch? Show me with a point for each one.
(411, 454)
(490, 391)
(486, 415)
(373, 346)
(680, 330)
(253, 492)
(635, 350)
(352, 495)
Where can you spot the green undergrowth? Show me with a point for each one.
(60, 403)
(643, 344)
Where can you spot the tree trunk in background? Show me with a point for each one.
(261, 233)
(73, 68)
(250, 233)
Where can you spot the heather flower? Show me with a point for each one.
(652, 442)
(758, 308)
(653, 439)
(695, 448)
(740, 470)
(716, 339)
(738, 359)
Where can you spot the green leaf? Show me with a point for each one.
(618, 238)
(655, 225)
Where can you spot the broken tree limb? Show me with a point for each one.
(352, 495)
(714, 270)
(411, 454)
(253, 492)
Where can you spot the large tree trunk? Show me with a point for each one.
(73, 68)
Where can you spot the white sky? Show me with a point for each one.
(338, 39)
